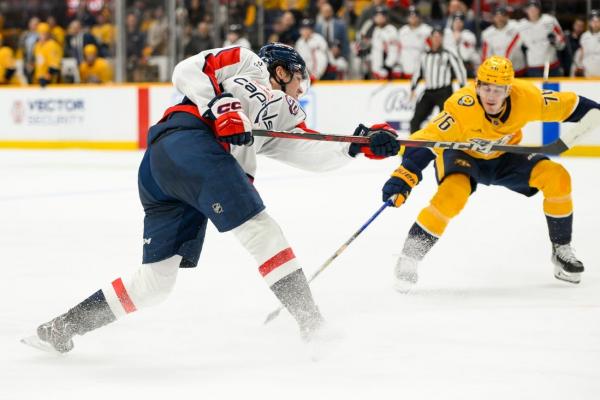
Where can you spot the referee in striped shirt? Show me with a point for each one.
(438, 67)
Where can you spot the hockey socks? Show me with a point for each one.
(418, 243)
(90, 314)
(294, 293)
(560, 229)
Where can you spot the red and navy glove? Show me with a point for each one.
(231, 122)
(383, 142)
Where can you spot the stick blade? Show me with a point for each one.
(587, 124)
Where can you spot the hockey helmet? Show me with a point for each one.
(496, 70)
(279, 54)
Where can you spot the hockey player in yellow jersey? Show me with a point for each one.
(94, 69)
(494, 108)
(7, 65)
(48, 57)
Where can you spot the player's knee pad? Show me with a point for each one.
(263, 238)
(151, 284)
(555, 183)
(450, 198)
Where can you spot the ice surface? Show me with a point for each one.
(486, 321)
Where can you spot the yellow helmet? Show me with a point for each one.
(43, 28)
(90, 50)
(496, 70)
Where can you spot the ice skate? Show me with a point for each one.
(405, 273)
(566, 265)
(53, 336)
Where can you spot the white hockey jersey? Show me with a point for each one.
(242, 73)
(315, 53)
(242, 42)
(590, 54)
(505, 42)
(465, 46)
(412, 43)
(535, 37)
(384, 50)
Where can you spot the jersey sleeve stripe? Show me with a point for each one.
(512, 44)
(217, 61)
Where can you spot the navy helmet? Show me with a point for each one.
(279, 54)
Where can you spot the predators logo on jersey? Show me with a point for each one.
(462, 163)
(466, 101)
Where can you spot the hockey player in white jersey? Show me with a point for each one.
(503, 39)
(412, 40)
(199, 166)
(542, 36)
(588, 55)
(463, 42)
(235, 37)
(384, 46)
(313, 48)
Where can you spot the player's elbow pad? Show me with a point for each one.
(583, 106)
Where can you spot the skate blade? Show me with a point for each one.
(37, 343)
(572, 277)
(403, 286)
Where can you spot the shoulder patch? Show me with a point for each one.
(293, 104)
(466, 100)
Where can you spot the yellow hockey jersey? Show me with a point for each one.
(99, 72)
(48, 55)
(464, 119)
(7, 61)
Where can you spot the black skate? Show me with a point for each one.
(566, 265)
(53, 336)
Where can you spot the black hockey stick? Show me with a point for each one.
(339, 251)
(587, 124)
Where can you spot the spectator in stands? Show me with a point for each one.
(366, 16)
(313, 49)
(503, 39)
(27, 42)
(77, 39)
(384, 46)
(235, 37)
(571, 46)
(201, 40)
(412, 39)
(94, 69)
(289, 33)
(104, 32)
(56, 31)
(48, 57)
(158, 31)
(589, 53)
(7, 65)
(332, 28)
(135, 44)
(196, 12)
(463, 42)
(542, 36)
(460, 7)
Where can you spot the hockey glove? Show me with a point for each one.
(383, 142)
(400, 184)
(231, 122)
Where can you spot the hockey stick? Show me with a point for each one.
(339, 251)
(587, 124)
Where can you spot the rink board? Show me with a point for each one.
(117, 117)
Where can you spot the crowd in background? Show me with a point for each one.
(339, 39)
